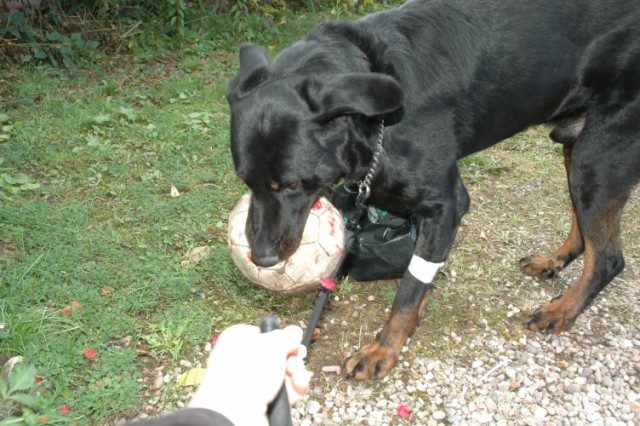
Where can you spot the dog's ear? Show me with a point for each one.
(252, 57)
(369, 94)
(254, 63)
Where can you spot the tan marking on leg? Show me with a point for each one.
(549, 266)
(560, 314)
(377, 358)
(424, 302)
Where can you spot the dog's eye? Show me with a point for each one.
(275, 186)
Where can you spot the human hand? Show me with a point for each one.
(246, 370)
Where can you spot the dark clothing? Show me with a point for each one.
(187, 417)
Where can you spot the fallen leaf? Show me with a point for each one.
(174, 192)
(484, 236)
(106, 291)
(197, 253)
(316, 334)
(73, 307)
(142, 348)
(192, 377)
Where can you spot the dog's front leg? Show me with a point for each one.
(377, 358)
(438, 228)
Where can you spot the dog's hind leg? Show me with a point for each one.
(549, 266)
(600, 186)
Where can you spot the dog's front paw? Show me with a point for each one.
(540, 266)
(553, 318)
(372, 361)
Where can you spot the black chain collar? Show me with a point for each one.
(364, 186)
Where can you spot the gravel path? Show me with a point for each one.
(489, 372)
(577, 378)
(589, 375)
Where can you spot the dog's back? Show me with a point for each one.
(481, 55)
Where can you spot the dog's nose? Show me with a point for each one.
(265, 261)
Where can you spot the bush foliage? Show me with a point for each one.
(65, 32)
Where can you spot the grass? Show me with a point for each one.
(94, 250)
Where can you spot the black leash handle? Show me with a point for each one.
(315, 316)
(278, 411)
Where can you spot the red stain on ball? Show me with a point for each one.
(332, 227)
(317, 205)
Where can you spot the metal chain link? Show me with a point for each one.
(364, 186)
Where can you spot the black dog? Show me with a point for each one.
(447, 78)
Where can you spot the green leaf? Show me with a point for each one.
(13, 31)
(4, 118)
(31, 418)
(13, 420)
(101, 118)
(29, 186)
(193, 377)
(52, 60)
(24, 399)
(4, 389)
(67, 61)
(22, 377)
(18, 179)
(54, 36)
(40, 54)
(16, 18)
(128, 112)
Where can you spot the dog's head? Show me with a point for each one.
(289, 131)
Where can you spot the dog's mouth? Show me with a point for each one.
(288, 247)
(275, 228)
(267, 259)
(274, 237)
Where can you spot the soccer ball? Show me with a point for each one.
(319, 255)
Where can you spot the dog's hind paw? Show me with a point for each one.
(540, 266)
(372, 361)
(552, 318)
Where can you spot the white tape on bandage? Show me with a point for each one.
(422, 270)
